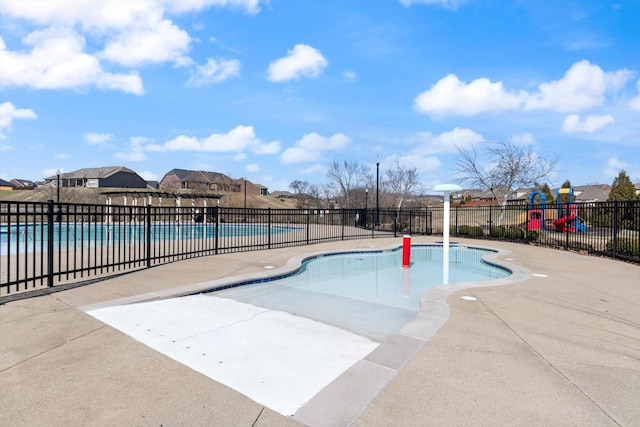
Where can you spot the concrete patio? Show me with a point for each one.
(557, 344)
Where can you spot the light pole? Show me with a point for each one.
(366, 204)
(377, 222)
(58, 188)
(245, 199)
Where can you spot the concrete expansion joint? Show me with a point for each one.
(550, 364)
(230, 325)
(55, 347)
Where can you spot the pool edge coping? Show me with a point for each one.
(370, 376)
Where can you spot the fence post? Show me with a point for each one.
(50, 221)
(216, 224)
(456, 221)
(410, 222)
(616, 218)
(307, 212)
(490, 221)
(395, 224)
(269, 228)
(343, 221)
(147, 228)
(373, 228)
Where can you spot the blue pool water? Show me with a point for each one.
(365, 292)
(21, 237)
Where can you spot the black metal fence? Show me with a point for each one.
(610, 229)
(46, 244)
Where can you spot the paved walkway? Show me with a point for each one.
(559, 344)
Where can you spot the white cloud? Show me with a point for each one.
(152, 42)
(427, 143)
(614, 166)
(57, 61)
(129, 33)
(312, 147)
(634, 104)
(148, 176)
(8, 112)
(572, 123)
(349, 76)
(448, 4)
(302, 61)
(109, 14)
(132, 156)
(252, 168)
(101, 139)
(214, 71)
(583, 86)
(523, 139)
(421, 163)
(450, 96)
(237, 140)
(52, 172)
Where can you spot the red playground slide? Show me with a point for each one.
(566, 223)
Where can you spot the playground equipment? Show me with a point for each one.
(536, 216)
(568, 220)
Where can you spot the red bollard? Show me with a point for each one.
(406, 252)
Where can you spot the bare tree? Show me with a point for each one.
(401, 181)
(507, 166)
(300, 189)
(348, 176)
(314, 193)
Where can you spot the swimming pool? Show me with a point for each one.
(365, 292)
(31, 237)
(334, 318)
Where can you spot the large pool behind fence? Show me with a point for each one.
(18, 238)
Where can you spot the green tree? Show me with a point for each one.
(564, 198)
(622, 188)
(546, 190)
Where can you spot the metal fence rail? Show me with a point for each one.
(46, 244)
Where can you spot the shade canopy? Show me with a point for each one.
(447, 187)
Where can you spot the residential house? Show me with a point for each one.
(591, 193)
(5, 185)
(23, 184)
(103, 177)
(183, 179)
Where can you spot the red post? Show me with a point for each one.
(406, 252)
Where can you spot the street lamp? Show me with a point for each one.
(58, 188)
(377, 222)
(58, 215)
(366, 204)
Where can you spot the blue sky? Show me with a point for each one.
(275, 90)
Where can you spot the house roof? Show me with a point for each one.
(592, 193)
(23, 183)
(197, 176)
(4, 183)
(93, 173)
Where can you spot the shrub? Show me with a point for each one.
(533, 235)
(626, 246)
(469, 230)
(514, 233)
(496, 231)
